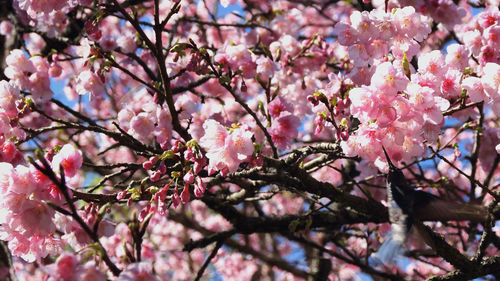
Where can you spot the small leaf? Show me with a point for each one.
(293, 225)
(406, 65)
(168, 154)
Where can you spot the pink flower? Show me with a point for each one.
(450, 87)
(23, 181)
(472, 39)
(362, 102)
(89, 82)
(286, 125)
(9, 94)
(18, 67)
(474, 89)
(6, 28)
(364, 26)
(389, 80)
(64, 268)
(163, 131)
(6, 176)
(185, 195)
(186, 105)
(69, 158)
(226, 3)
(277, 106)
(33, 6)
(432, 62)
(188, 177)
(359, 55)
(238, 58)
(34, 218)
(89, 272)
(225, 151)
(404, 45)
(284, 129)
(215, 134)
(127, 44)
(386, 115)
(490, 16)
(346, 34)
(239, 143)
(138, 272)
(491, 79)
(266, 67)
(142, 125)
(457, 56)
(410, 23)
(40, 86)
(492, 36)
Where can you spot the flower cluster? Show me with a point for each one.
(285, 125)
(226, 149)
(31, 74)
(203, 124)
(27, 222)
(370, 36)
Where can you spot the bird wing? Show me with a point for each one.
(429, 207)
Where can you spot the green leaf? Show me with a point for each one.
(179, 47)
(266, 50)
(191, 143)
(224, 79)
(406, 65)
(168, 154)
(309, 222)
(293, 225)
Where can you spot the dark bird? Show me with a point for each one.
(406, 205)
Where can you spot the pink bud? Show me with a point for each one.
(312, 99)
(344, 135)
(199, 187)
(224, 171)
(189, 177)
(162, 169)
(155, 176)
(6, 27)
(55, 70)
(199, 164)
(8, 151)
(336, 111)
(185, 194)
(147, 165)
(189, 154)
(211, 171)
(92, 30)
(154, 159)
(121, 195)
(175, 198)
(144, 212)
(177, 146)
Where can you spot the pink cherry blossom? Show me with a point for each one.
(474, 89)
(450, 87)
(64, 268)
(277, 106)
(89, 82)
(136, 272)
(6, 27)
(69, 159)
(9, 94)
(389, 80)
